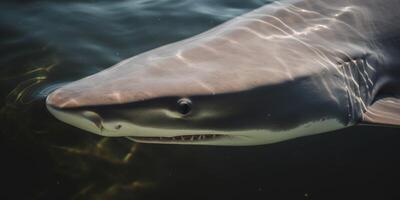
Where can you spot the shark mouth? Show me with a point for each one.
(182, 138)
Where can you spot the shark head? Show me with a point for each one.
(188, 98)
(224, 119)
(246, 82)
(237, 118)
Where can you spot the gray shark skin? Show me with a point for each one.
(285, 70)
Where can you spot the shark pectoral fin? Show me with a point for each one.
(384, 111)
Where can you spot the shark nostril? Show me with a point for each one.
(95, 118)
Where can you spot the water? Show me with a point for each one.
(45, 44)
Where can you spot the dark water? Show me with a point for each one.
(48, 43)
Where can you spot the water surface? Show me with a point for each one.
(45, 44)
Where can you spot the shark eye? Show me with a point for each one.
(184, 106)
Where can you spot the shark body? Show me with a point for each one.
(285, 70)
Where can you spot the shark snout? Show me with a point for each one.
(62, 98)
(86, 120)
(63, 104)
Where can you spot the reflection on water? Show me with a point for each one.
(45, 44)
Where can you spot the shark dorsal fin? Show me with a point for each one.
(384, 111)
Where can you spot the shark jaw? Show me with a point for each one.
(85, 121)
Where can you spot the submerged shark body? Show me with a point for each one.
(285, 70)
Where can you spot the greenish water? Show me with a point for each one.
(44, 44)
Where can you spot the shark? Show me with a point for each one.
(285, 70)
